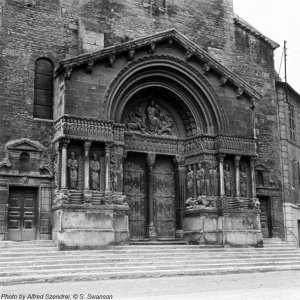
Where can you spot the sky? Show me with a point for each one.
(279, 20)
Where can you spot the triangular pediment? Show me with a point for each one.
(24, 145)
(172, 36)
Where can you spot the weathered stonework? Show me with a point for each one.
(212, 78)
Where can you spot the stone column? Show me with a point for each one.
(237, 159)
(150, 162)
(64, 163)
(253, 183)
(221, 171)
(87, 191)
(107, 173)
(181, 192)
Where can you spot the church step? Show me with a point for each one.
(84, 276)
(105, 263)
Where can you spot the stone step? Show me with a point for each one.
(133, 268)
(50, 265)
(83, 275)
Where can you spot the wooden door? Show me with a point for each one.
(164, 198)
(22, 214)
(265, 217)
(134, 185)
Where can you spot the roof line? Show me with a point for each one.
(246, 26)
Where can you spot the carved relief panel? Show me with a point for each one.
(150, 118)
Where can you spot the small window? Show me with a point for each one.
(43, 89)
(292, 122)
(24, 163)
(259, 178)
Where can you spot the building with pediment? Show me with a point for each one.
(137, 120)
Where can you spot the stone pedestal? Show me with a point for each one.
(90, 227)
(239, 228)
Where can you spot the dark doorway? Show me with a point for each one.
(136, 187)
(265, 216)
(22, 214)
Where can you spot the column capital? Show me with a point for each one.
(221, 157)
(87, 145)
(179, 160)
(237, 159)
(108, 147)
(253, 160)
(64, 143)
(150, 159)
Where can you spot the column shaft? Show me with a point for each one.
(221, 170)
(107, 168)
(64, 159)
(237, 174)
(87, 146)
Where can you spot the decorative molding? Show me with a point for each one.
(192, 50)
(87, 129)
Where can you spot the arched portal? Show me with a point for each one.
(164, 103)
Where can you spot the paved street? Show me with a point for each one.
(273, 285)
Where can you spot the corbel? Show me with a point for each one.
(253, 105)
(223, 80)
(152, 47)
(111, 59)
(206, 67)
(68, 73)
(131, 54)
(89, 66)
(170, 42)
(239, 92)
(188, 54)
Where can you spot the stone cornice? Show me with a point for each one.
(192, 51)
(249, 28)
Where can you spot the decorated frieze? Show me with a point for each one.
(88, 129)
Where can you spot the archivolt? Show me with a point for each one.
(175, 75)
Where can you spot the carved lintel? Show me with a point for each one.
(239, 92)
(152, 47)
(150, 159)
(131, 54)
(111, 59)
(206, 67)
(89, 66)
(188, 54)
(68, 73)
(223, 80)
(170, 42)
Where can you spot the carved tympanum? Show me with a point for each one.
(151, 119)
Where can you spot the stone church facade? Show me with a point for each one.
(137, 120)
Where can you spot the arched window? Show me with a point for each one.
(259, 178)
(43, 89)
(24, 163)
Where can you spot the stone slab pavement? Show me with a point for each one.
(271, 285)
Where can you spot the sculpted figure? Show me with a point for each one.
(95, 171)
(211, 188)
(243, 182)
(135, 119)
(190, 182)
(152, 121)
(73, 173)
(166, 124)
(227, 181)
(200, 179)
(215, 182)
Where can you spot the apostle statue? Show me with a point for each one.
(227, 181)
(73, 173)
(243, 182)
(95, 170)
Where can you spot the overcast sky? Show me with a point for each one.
(279, 20)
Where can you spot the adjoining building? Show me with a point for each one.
(138, 120)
